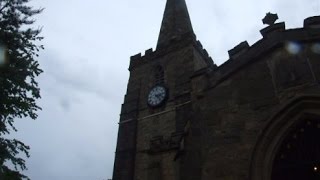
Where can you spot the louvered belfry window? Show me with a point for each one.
(159, 75)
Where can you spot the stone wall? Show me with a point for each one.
(233, 103)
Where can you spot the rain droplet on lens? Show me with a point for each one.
(293, 48)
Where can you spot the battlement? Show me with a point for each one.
(148, 53)
(274, 35)
(176, 43)
(277, 33)
(309, 23)
(139, 58)
(205, 53)
(278, 27)
(271, 34)
(238, 50)
(312, 22)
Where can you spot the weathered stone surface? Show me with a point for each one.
(218, 122)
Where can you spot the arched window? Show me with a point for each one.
(159, 75)
(299, 155)
(288, 147)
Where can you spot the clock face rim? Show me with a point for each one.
(162, 101)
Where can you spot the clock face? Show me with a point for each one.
(157, 96)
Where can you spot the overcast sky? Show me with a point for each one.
(88, 45)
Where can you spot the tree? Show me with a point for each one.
(18, 87)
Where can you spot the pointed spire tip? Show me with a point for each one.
(175, 23)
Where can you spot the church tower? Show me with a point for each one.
(157, 104)
(256, 116)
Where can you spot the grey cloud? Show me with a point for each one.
(65, 104)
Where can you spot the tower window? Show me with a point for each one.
(159, 75)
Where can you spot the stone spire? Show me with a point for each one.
(175, 23)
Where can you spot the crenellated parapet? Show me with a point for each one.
(176, 43)
(238, 50)
(278, 27)
(139, 59)
(277, 34)
(274, 36)
(312, 22)
(204, 53)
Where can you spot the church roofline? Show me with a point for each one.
(273, 37)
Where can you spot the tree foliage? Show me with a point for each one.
(18, 87)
